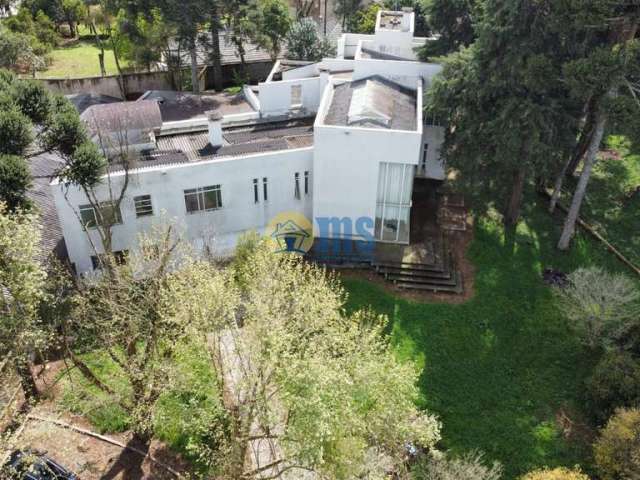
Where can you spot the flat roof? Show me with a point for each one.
(175, 106)
(400, 105)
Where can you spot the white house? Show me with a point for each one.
(342, 138)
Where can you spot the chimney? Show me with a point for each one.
(214, 118)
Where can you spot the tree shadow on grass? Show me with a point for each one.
(499, 368)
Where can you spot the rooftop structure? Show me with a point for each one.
(342, 138)
(373, 102)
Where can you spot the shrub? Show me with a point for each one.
(617, 449)
(467, 467)
(602, 306)
(614, 383)
(556, 474)
(304, 43)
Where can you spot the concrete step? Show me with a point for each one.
(421, 280)
(430, 288)
(412, 267)
(435, 273)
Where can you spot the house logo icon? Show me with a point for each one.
(291, 231)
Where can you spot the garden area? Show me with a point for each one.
(504, 371)
(78, 59)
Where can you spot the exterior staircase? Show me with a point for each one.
(433, 277)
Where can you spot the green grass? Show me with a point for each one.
(499, 368)
(188, 415)
(606, 206)
(79, 59)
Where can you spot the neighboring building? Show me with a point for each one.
(344, 137)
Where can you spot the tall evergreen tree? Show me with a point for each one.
(608, 78)
(508, 114)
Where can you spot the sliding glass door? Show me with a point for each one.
(393, 206)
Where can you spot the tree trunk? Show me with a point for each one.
(216, 58)
(583, 143)
(28, 383)
(512, 212)
(195, 86)
(557, 187)
(578, 196)
(103, 72)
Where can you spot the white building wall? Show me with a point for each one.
(401, 72)
(346, 164)
(275, 97)
(218, 229)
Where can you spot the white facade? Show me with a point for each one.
(350, 171)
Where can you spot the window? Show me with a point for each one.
(296, 95)
(264, 189)
(423, 164)
(110, 215)
(256, 195)
(306, 183)
(203, 199)
(296, 179)
(88, 216)
(143, 205)
(119, 257)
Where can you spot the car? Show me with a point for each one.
(33, 465)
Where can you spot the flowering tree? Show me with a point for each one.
(306, 387)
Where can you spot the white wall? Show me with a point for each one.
(346, 163)
(402, 72)
(275, 97)
(219, 229)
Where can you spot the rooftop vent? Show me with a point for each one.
(371, 103)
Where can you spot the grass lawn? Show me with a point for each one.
(79, 59)
(501, 368)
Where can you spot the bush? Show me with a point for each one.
(15, 180)
(603, 307)
(556, 474)
(467, 467)
(15, 132)
(304, 43)
(614, 383)
(617, 449)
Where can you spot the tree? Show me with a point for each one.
(303, 42)
(15, 180)
(617, 449)
(73, 11)
(601, 306)
(467, 467)
(133, 323)
(242, 19)
(454, 21)
(507, 113)
(364, 20)
(20, 52)
(559, 473)
(614, 383)
(599, 78)
(29, 107)
(274, 26)
(306, 387)
(346, 10)
(22, 280)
